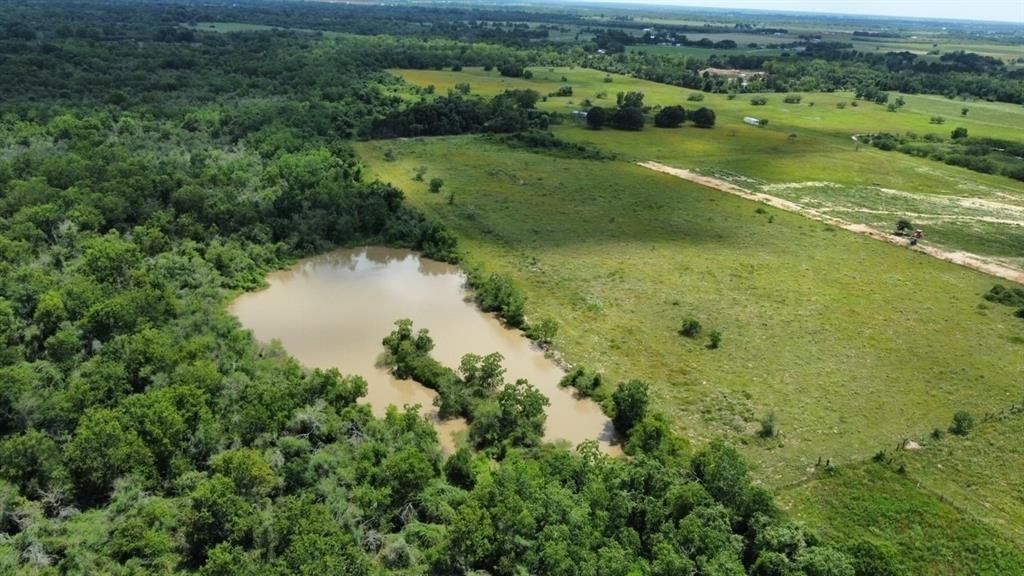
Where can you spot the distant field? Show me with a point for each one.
(924, 45)
(229, 27)
(806, 153)
(698, 52)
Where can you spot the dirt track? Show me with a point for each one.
(967, 259)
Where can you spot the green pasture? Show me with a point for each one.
(699, 52)
(932, 533)
(230, 27)
(853, 343)
(806, 153)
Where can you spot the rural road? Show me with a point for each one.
(968, 259)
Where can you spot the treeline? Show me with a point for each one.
(985, 155)
(510, 111)
(826, 68)
(630, 114)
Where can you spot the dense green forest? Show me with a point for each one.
(149, 171)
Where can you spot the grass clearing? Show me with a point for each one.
(931, 532)
(854, 344)
(806, 153)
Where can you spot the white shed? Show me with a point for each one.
(752, 121)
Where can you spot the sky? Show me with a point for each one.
(999, 10)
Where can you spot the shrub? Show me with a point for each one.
(959, 133)
(670, 117)
(1000, 294)
(607, 79)
(596, 118)
(435, 185)
(585, 381)
(542, 332)
(963, 423)
(792, 99)
(768, 429)
(497, 293)
(696, 97)
(419, 173)
(903, 225)
(937, 120)
(840, 105)
(630, 400)
(561, 92)
(690, 328)
(628, 118)
(714, 339)
(703, 118)
(511, 70)
(758, 100)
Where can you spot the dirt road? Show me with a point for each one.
(968, 259)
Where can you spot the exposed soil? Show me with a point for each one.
(968, 259)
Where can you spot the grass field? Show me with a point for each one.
(622, 255)
(699, 52)
(230, 27)
(853, 344)
(806, 153)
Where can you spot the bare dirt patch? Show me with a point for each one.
(968, 259)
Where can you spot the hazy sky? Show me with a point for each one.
(1003, 10)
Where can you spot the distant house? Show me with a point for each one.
(752, 121)
(579, 114)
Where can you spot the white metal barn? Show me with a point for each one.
(752, 121)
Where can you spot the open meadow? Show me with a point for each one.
(806, 153)
(852, 344)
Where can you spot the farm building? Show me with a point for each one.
(752, 121)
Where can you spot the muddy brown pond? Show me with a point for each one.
(333, 310)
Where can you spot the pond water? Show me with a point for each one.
(333, 310)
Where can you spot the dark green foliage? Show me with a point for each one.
(563, 91)
(1012, 296)
(792, 99)
(703, 117)
(963, 423)
(628, 118)
(149, 172)
(542, 332)
(547, 143)
(714, 339)
(497, 293)
(959, 133)
(690, 328)
(630, 400)
(768, 426)
(435, 185)
(458, 469)
(871, 558)
(670, 117)
(758, 100)
(513, 418)
(586, 382)
(597, 117)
